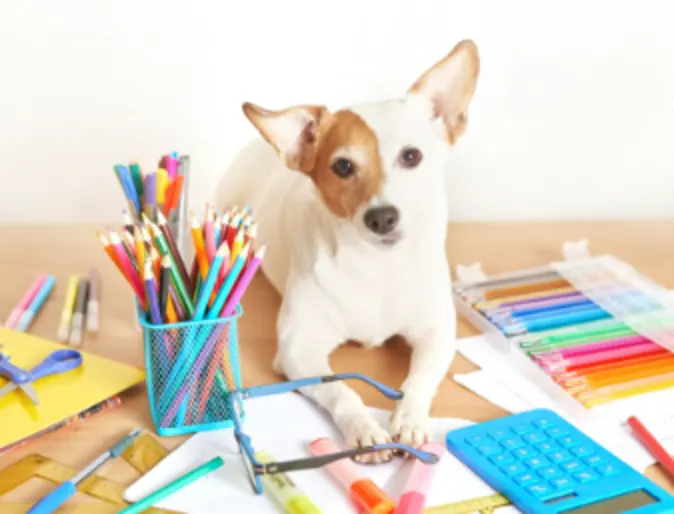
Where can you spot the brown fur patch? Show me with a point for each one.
(346, 130)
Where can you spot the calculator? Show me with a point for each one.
(545, 465)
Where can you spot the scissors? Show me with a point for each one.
(59, 361)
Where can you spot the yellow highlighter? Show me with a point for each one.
(68, 309)
(162, 184)
(284, 491)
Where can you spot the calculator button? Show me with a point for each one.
(534, 437)
(516, 468)
(544, 423)
(607, 469)
(522, 428)
(562, 482)
(559, 456)
(556, 432)
(568, 441)
(586, 476)
(537, 462)
(512, 442)
(547, 446)
(549, 472)
(571, 465)
(524, 453)
(526, 479)
(594, 460)
(582, 451)
(489, 449)
(502, 459)
(501, 434)
(478, 440)
(539, 489)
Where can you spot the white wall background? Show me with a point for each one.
(573, 116)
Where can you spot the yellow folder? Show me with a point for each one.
(60, 396)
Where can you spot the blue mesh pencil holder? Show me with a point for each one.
(191, 368)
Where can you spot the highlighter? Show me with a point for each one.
(368, 497)
(413, 497)
(284, 491)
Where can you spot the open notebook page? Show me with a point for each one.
(284, 425)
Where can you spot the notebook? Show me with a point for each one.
(284, 425)
(61, 396)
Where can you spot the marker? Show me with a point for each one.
(364, 492)
(413, 498)
(68, 309)
(75, 338)
(92, 303)
(23, 304)
(284, 491)
(35, 306)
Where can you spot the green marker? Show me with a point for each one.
(174, 486)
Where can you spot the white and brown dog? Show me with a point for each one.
(352, 205)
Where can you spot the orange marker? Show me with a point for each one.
(364, 492)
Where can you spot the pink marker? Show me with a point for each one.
(171, 167)
(413, 498)
(25, 302)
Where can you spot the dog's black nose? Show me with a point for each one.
(381, 220)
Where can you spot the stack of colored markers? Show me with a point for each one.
(81, 301)
(592, 355)
(158, 191)
(31, 302)
(147, 256)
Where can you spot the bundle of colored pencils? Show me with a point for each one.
(147, 256)
(154, 192)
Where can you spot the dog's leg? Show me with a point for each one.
(304, 351)
(433, 349)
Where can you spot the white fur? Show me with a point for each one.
(339, 284)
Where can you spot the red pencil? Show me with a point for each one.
(652, 445)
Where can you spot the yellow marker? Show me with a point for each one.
(162, 184)
(237, 246)
(284, 491)
(68, 308)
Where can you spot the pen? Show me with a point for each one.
(67, 489)
(68, 308)
(23, 304)
(75, 338)
(92, 303)
(37, 303)
(413, 498)
(284, 491)
(651, 444)
(173, 487)
(364, 492)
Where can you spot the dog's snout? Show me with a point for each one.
(382, 220)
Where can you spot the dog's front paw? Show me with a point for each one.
(364, 431)
(410, 427)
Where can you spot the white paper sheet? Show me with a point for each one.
(501, 385)
(284, 425)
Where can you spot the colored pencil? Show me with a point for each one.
(68, 309)
(126, 265)
(237, 245)
(25, 301)
(164, 282)
(200, 248)
(244, 282)
(642, 434)
(209, 284)
(154, 312)
(175, 253)
(36, 304)
(93, 303)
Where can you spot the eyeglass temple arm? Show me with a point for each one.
(293, 385)
(322, 460)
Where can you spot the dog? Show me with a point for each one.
(352, 206)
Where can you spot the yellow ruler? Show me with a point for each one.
(143, 455)
(484, 505)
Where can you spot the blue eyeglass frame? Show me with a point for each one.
(258, 469)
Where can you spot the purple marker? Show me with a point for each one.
(150, 189)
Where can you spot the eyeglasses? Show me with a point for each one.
(256, 469)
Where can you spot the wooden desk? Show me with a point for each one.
(62, 251)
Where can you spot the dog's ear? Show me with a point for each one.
(449, 86)
(293, 132)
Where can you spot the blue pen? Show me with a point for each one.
(35, 306)
(67, 489)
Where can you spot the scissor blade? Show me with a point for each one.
(28, 389)
(8, 388)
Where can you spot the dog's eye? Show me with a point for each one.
(343, 168)
(410, 157)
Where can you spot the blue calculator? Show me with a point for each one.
(545, 465)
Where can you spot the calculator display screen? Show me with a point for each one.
(617, 504)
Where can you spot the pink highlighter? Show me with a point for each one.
(413, 498)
